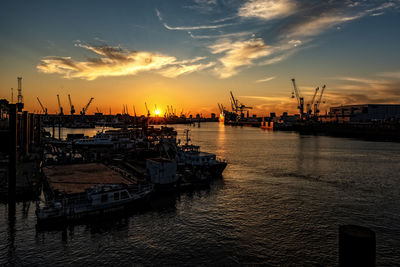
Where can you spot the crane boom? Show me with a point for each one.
(318, 103)
(41, 105)
(70, 105)
(300, 99)
(59, 105)
(87, 106)
(311, 104)
(148, 111)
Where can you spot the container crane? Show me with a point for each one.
(300, 99)
(41, 105)
(71, 106)
(239, 107)
(311, 104)
(59, 106)
(83, 112)
(318, 103)
(148, 111)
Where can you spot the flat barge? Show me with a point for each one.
(81, 190)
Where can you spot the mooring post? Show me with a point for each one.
(12, 161)
(25, 133)
(31, 131)
(357, 246)
(38, 130)
(54, 130)
(59, 128)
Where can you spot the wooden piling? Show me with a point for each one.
(25, 133)
(31, 131)
(12, 163)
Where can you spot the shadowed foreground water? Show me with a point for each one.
(280, 202)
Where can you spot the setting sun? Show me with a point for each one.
(157, 112)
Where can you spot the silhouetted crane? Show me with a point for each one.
(71, 106)
(43, 108)
(59, 106)
(300, 99)
(83, 112)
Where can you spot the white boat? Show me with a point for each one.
(96, 199)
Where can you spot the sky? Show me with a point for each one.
(191, 54)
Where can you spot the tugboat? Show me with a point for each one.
(201, 164)
(96, 200)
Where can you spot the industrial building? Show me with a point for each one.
(366, 112)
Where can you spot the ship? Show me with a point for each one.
(95, 200)
(201, 164)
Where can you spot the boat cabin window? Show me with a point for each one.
(116, 196)
(124, 194)
(104, 198)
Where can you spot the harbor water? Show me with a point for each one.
(280, 202)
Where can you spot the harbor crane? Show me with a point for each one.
(83, 112)
(148, 111)
(71, 106)
(311, 104)
(318, 103)
(41, 105)
(300, 99)
(59, 106)
(239, 107)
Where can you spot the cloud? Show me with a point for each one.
(265, 79)
(219, 36)
(314, 21)
(267, 9)
(190, 28)
(393, 74)
(237, 54)
(114, 61)
(174, 71)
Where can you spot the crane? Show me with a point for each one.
(59, 106)
(43, 108)
(318, 103)
(71, 106)
(83, 112)
(300, 99)
(311, 104)
(148, 111)
(239, 107)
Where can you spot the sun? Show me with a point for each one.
(157, 112)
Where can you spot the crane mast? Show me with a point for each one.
(300, 99)
(83, 112)
(148, 111)
(41, 105)
(311, 104)
(318, 103)
(59, 106)
(71, 106)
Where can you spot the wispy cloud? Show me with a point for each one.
(177, 70)
(114, 61)
(189, 28)
(265, 79)
(392, 74)
(237, 54)
(267, 9)
(219, 36)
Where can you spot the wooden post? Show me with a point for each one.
(12, 167)
(25, 133)
(38, 130)
(31, 131)
(357, 246)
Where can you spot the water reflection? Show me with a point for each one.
(11, 256)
